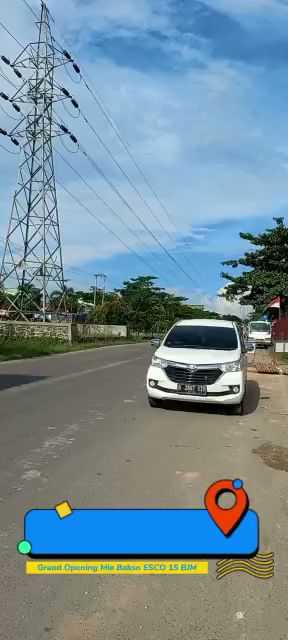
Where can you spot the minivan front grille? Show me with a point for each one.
(188, 376)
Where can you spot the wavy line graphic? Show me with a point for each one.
(261, 566)
(252, 563)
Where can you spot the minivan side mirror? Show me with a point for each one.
(155, 342)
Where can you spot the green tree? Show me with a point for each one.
(266, 269)
(151, 309)
(69, 300)
(141, 300)
(113, 311)
(3, 300)
(29, 298)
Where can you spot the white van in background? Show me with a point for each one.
(260, 331)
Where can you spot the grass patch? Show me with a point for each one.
(281, 357)
(18, 349)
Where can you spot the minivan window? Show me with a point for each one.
(201, 337)
(264, 327)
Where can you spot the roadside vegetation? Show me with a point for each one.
(264, 270)
(19, 349)
(149, 310)
(282, 358)
(140, 304)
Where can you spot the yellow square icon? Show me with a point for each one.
(63, 509)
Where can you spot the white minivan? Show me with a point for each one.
(200, 361)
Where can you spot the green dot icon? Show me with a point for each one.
(24, 547)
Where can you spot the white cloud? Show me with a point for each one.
(268, 16)
(107, 16)
(250, 8)
(222, 306)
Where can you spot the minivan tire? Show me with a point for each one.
(154, 402)
(236, 409)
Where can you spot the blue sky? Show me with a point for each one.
(199, 91)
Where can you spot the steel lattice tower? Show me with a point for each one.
(33, 256)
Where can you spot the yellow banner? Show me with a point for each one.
(117, 567)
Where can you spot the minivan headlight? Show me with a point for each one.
(231, 366)
(159, 362)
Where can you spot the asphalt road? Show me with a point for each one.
(78, 427)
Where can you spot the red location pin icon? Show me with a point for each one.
(226, 519)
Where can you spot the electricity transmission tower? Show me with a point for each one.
(32, 259)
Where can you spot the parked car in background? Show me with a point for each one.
(39, 317)
(200, 361)
(4, 314)
(260, 332)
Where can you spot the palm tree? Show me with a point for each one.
(68, 298)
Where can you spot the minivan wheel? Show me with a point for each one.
(154, 402)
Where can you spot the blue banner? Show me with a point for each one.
(137, 533)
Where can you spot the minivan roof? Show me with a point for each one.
(205, 323)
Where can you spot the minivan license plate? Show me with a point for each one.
(193, 389)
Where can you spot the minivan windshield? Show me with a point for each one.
(201, 337)
(263, 327)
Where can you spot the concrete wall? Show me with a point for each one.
(90, 331)
(281, 346)
(62, 331)
(56, 330)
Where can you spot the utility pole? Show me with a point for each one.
(95, 289)
(104, 288)
(103, 277)
(34, 230)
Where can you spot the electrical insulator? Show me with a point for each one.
(16, 107)
(63, 128)
(66, 93)
(67, 55)
(15, 142)
(73, 138)
(76, 68)
(4, 96)
(6, 60)
(3, 132)
(75, 104)
(17, 73)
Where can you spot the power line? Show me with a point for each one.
(11, 34)
(108, 206)
(79, 270)
(125, 174)
(103, 175)
(69, 268)
(142, 198)
(28, 5)
(12, 153)
(3, 75)
(103, 224)
(136, 164)
(110, 120)
(134, 213)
